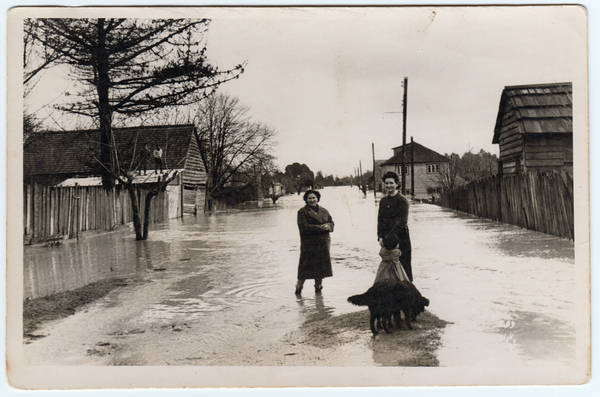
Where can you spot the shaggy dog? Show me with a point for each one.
(386, 299)
(414, 305)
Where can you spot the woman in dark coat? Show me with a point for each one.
(392, 228)
(315, 224)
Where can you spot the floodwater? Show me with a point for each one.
(508, 293)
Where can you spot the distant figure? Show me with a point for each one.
(392, 228)
(158, 159)
(315, 224)
(145, 158)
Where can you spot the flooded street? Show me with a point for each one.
(222, 283)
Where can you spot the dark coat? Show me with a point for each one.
(315, 262)
(392, 228)
(392, 216)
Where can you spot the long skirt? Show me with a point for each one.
(390, 268)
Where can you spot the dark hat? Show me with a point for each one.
(390, 241)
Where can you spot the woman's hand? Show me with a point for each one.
(381, 242)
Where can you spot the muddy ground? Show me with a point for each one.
(321, 342)
(39, 311)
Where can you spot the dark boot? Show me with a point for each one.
(299, 286)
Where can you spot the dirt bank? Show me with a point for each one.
(38, 311)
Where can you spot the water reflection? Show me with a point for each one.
(49, 270)
(314, 309)
(541, 337)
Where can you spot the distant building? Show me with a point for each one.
(428, 166)
(534, 128)
(66, 158)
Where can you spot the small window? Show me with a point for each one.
(433, 168)
(406, 170)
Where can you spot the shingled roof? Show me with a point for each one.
(421, 155)
(535, 109)
(75, 152)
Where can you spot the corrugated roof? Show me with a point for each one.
(539, 108)
(138, 178)
(421, 155)
(75, 152)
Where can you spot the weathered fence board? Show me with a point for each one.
(64, 212)
(538, 200)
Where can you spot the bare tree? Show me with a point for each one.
(36, 58)
(125, 68)
(448, 176)
(471, 166)
(229, 142)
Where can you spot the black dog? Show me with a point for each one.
(386, 299)
(409, 301)
(413, 304)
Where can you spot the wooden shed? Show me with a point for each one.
(534, 128)
(50, 158)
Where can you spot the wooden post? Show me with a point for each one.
(412, 168)
(362, 186)
(404, 135)
(374, 174)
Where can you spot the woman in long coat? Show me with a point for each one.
(315, 224)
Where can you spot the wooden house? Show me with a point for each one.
(428, 166)
(534, 128)
(66, 158)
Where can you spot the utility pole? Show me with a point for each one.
(374, 176)
(404, 100)
(362, 184)
(412, 168)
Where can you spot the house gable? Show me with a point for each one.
(194, 173)
(422, 155)
(427, 166)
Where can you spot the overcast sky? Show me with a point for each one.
(324, 79)
(330, 81)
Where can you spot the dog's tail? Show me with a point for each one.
(359, 300)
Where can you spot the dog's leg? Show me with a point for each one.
(372, 324)
(379, 324)
(414, 314)
(386, 322)
(397, 319)
(407, 316)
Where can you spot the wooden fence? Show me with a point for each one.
(537, 200)
(66, 212)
